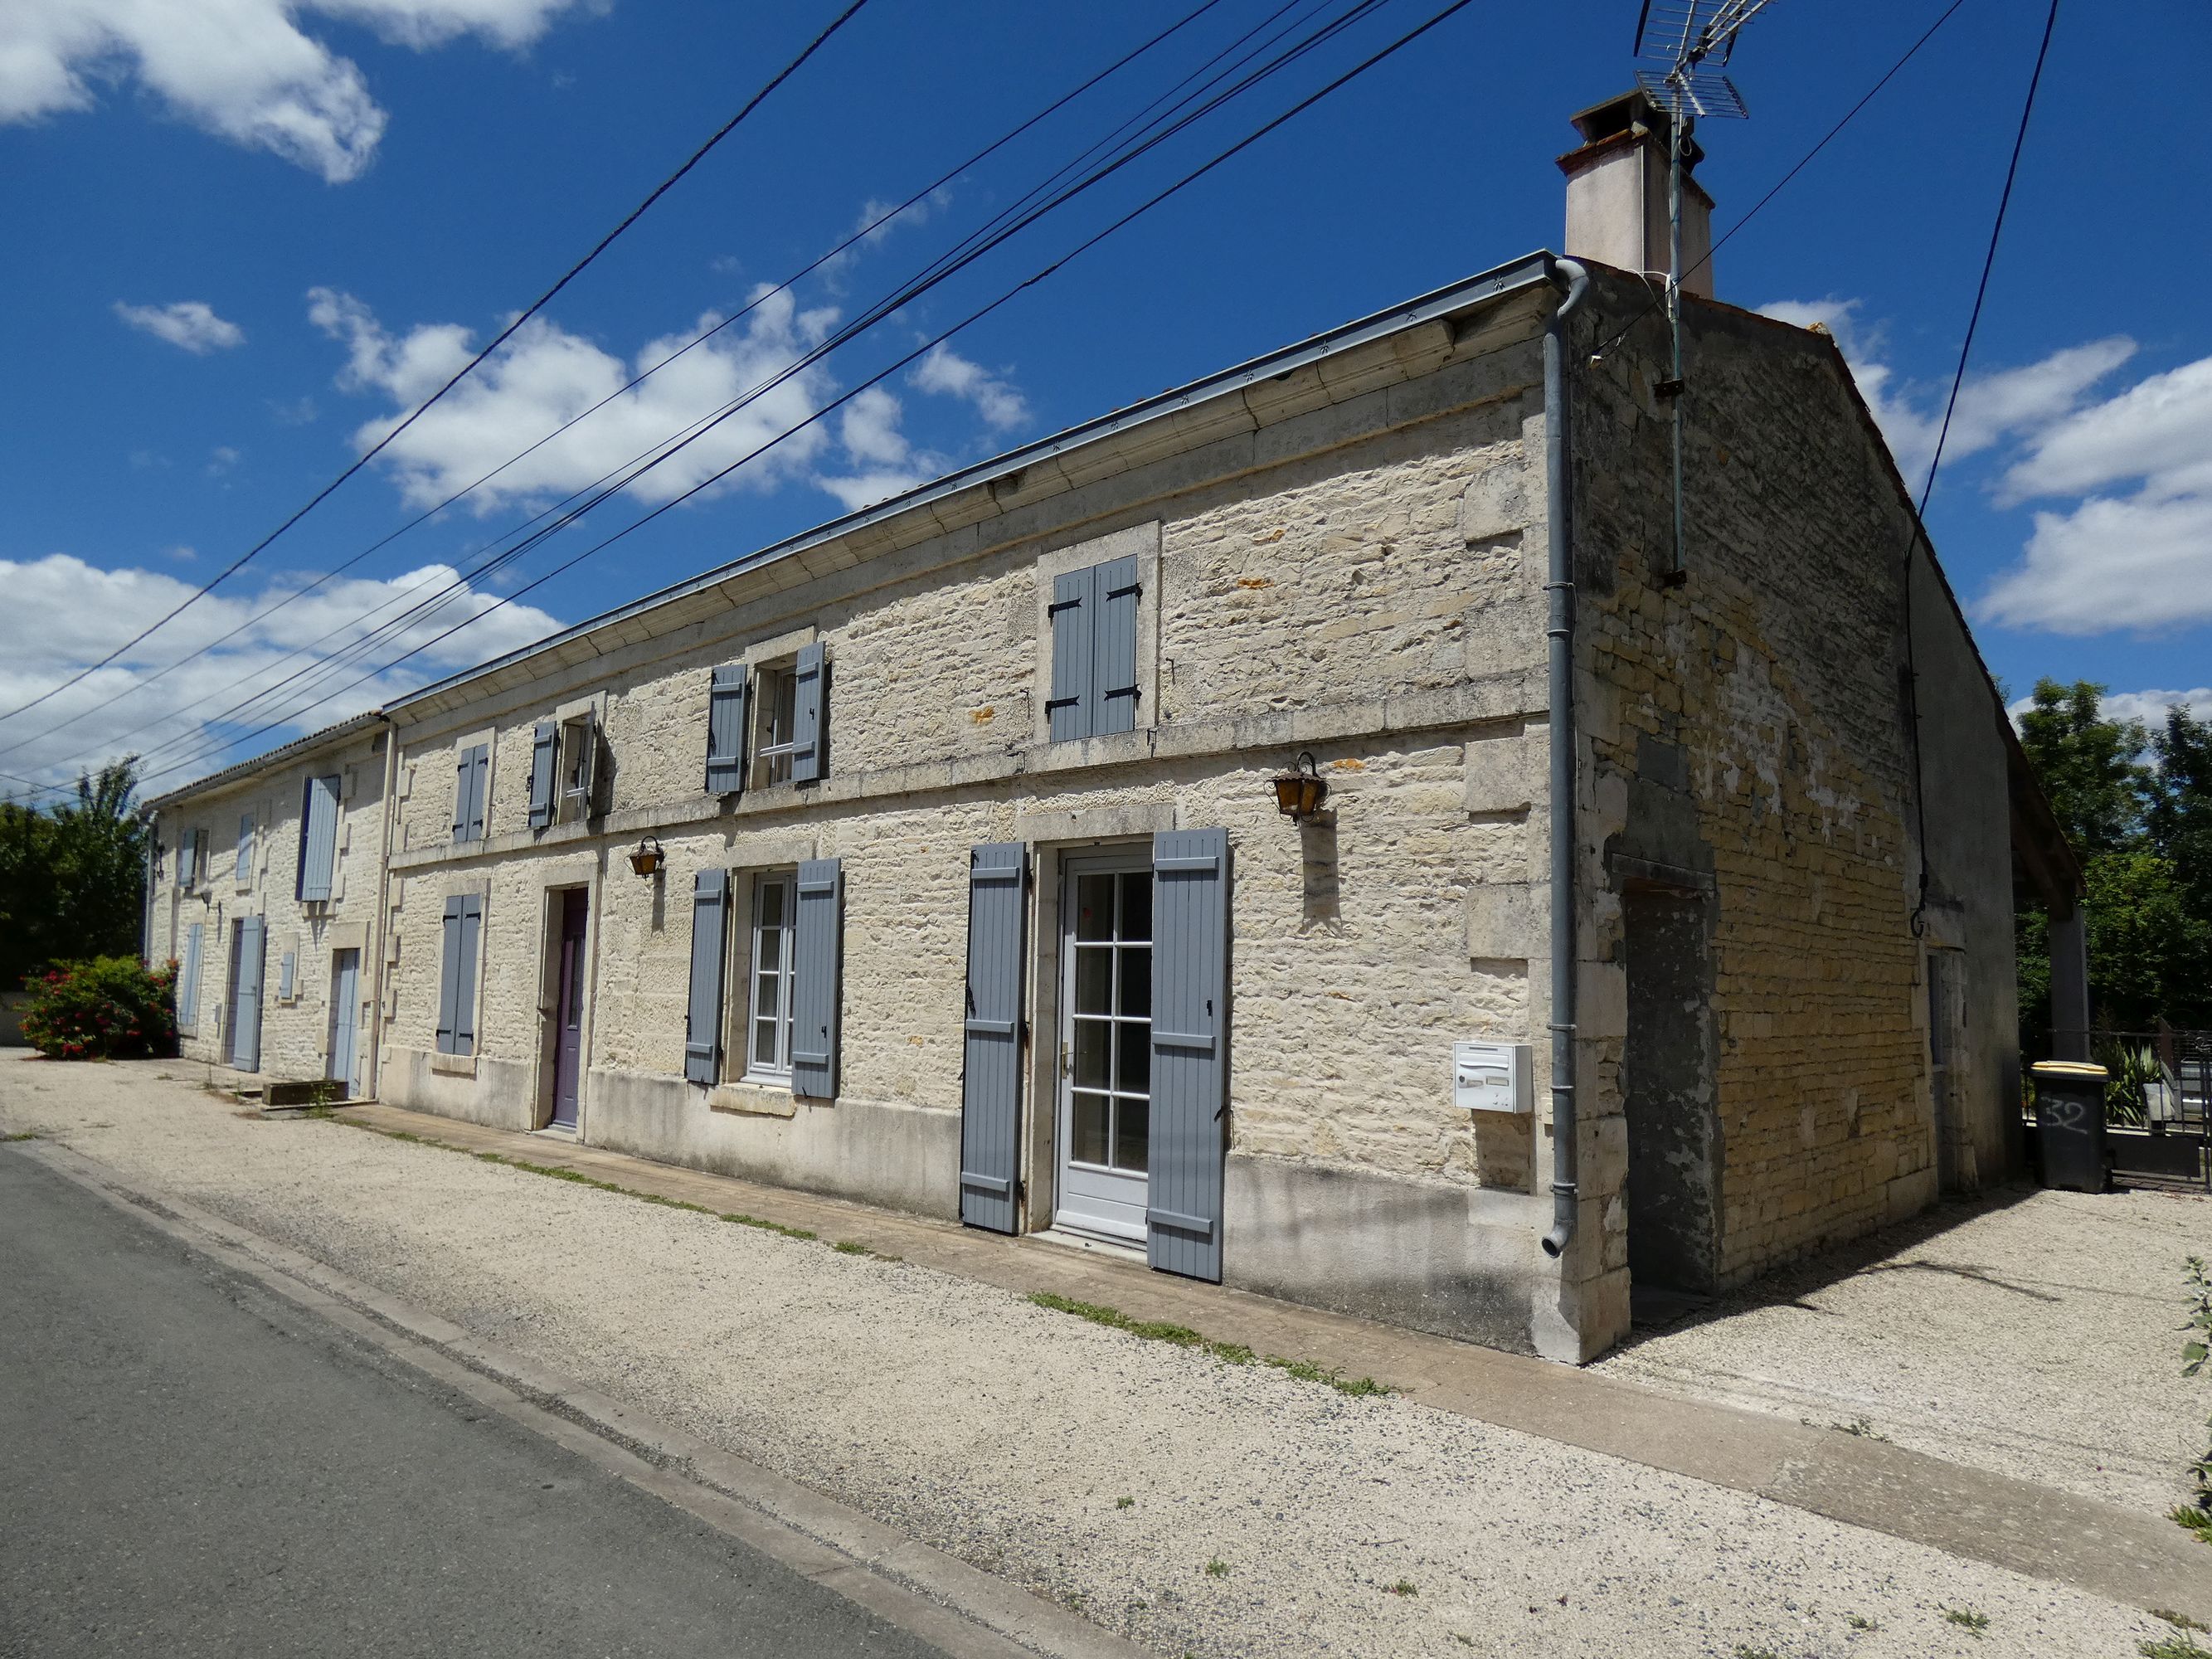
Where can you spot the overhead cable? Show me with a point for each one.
(504, 335)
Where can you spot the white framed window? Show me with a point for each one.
(771, 942)
(776, 721)
(579, 768)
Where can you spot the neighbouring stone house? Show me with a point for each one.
(938, 857)
(265, 890)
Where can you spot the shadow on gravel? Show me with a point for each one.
(1793, 1285)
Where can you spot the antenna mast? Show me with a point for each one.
(1694, 39)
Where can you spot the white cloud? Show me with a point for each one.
(868, 427)
(64, 613)
(2137, 563)
(837, 267)
(1993, 407)
(240, 69)
(2148, 706)
(2138, 558)
(221, 460)
(2159, 431)
(2116, 557)
(866, 489)
(946, 371)
(189, 324)
(545, 376)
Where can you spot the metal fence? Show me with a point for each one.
(2158, 1102)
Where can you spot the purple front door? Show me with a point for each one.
(568, 1011)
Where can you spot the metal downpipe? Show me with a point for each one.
(1559, 587)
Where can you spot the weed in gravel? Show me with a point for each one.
(577, 1177)
(1745, 1650)
(1217, 1568)
(1125, 1503)
(736, 1220)
(1182, 1336)
(1860, 1621)
(26, 1134)
(2194, 1353)
(1403, 1586)
(2181, 1646)
(1306, 1370)
(1968, 1620)
(1863, 1427)
(2179, 1620)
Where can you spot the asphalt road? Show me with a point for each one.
(191, 1465)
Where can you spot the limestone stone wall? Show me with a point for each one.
(1747, 740)
(1360, 576)
(295, 1031)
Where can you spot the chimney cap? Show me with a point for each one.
(1624, 118)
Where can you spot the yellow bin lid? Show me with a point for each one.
(2068, 1068)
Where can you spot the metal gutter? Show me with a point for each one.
(1526, 272)
(268, 758)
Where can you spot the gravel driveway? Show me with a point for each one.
(2031, 1333)
(1263, 1514)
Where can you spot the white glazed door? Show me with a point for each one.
(1106, 1049)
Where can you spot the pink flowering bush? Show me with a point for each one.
(108, 1008)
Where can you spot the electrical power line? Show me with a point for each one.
(859, 236)
(1803, 161)
(504, 335)
(980, 241)
(970, 249)
(1040, 275)
(1919, 537)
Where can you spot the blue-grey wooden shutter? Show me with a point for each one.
(244, 869)
(284, 964)
(544, 758)
(1113, 648)
(187, 846)
(726, 731)
(461, 770)
(702, 1021)
(464, 997)
(817, 948)
(991, 1064)
(810, 730)
(188, 980)
(319, 837)
(1068, 709)
(245, 1035)
(449, 976)
(479, 789)
(1190, 1041)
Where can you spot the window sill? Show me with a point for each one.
(753, 1100)
(454, 1064)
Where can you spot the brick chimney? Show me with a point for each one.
(1616, 193)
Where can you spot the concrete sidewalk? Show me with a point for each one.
(1188, 1499)
(2140, 1558)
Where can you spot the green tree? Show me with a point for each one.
(2144, 830)
(2091, 768)
(72, 880)
(2177, 810)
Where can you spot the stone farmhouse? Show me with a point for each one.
(1308, 830)
(266, 894)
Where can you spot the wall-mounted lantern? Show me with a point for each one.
(1300, 791)
(647, 860)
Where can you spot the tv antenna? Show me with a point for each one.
(1694, 41)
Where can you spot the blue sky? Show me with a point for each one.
(236, 251)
